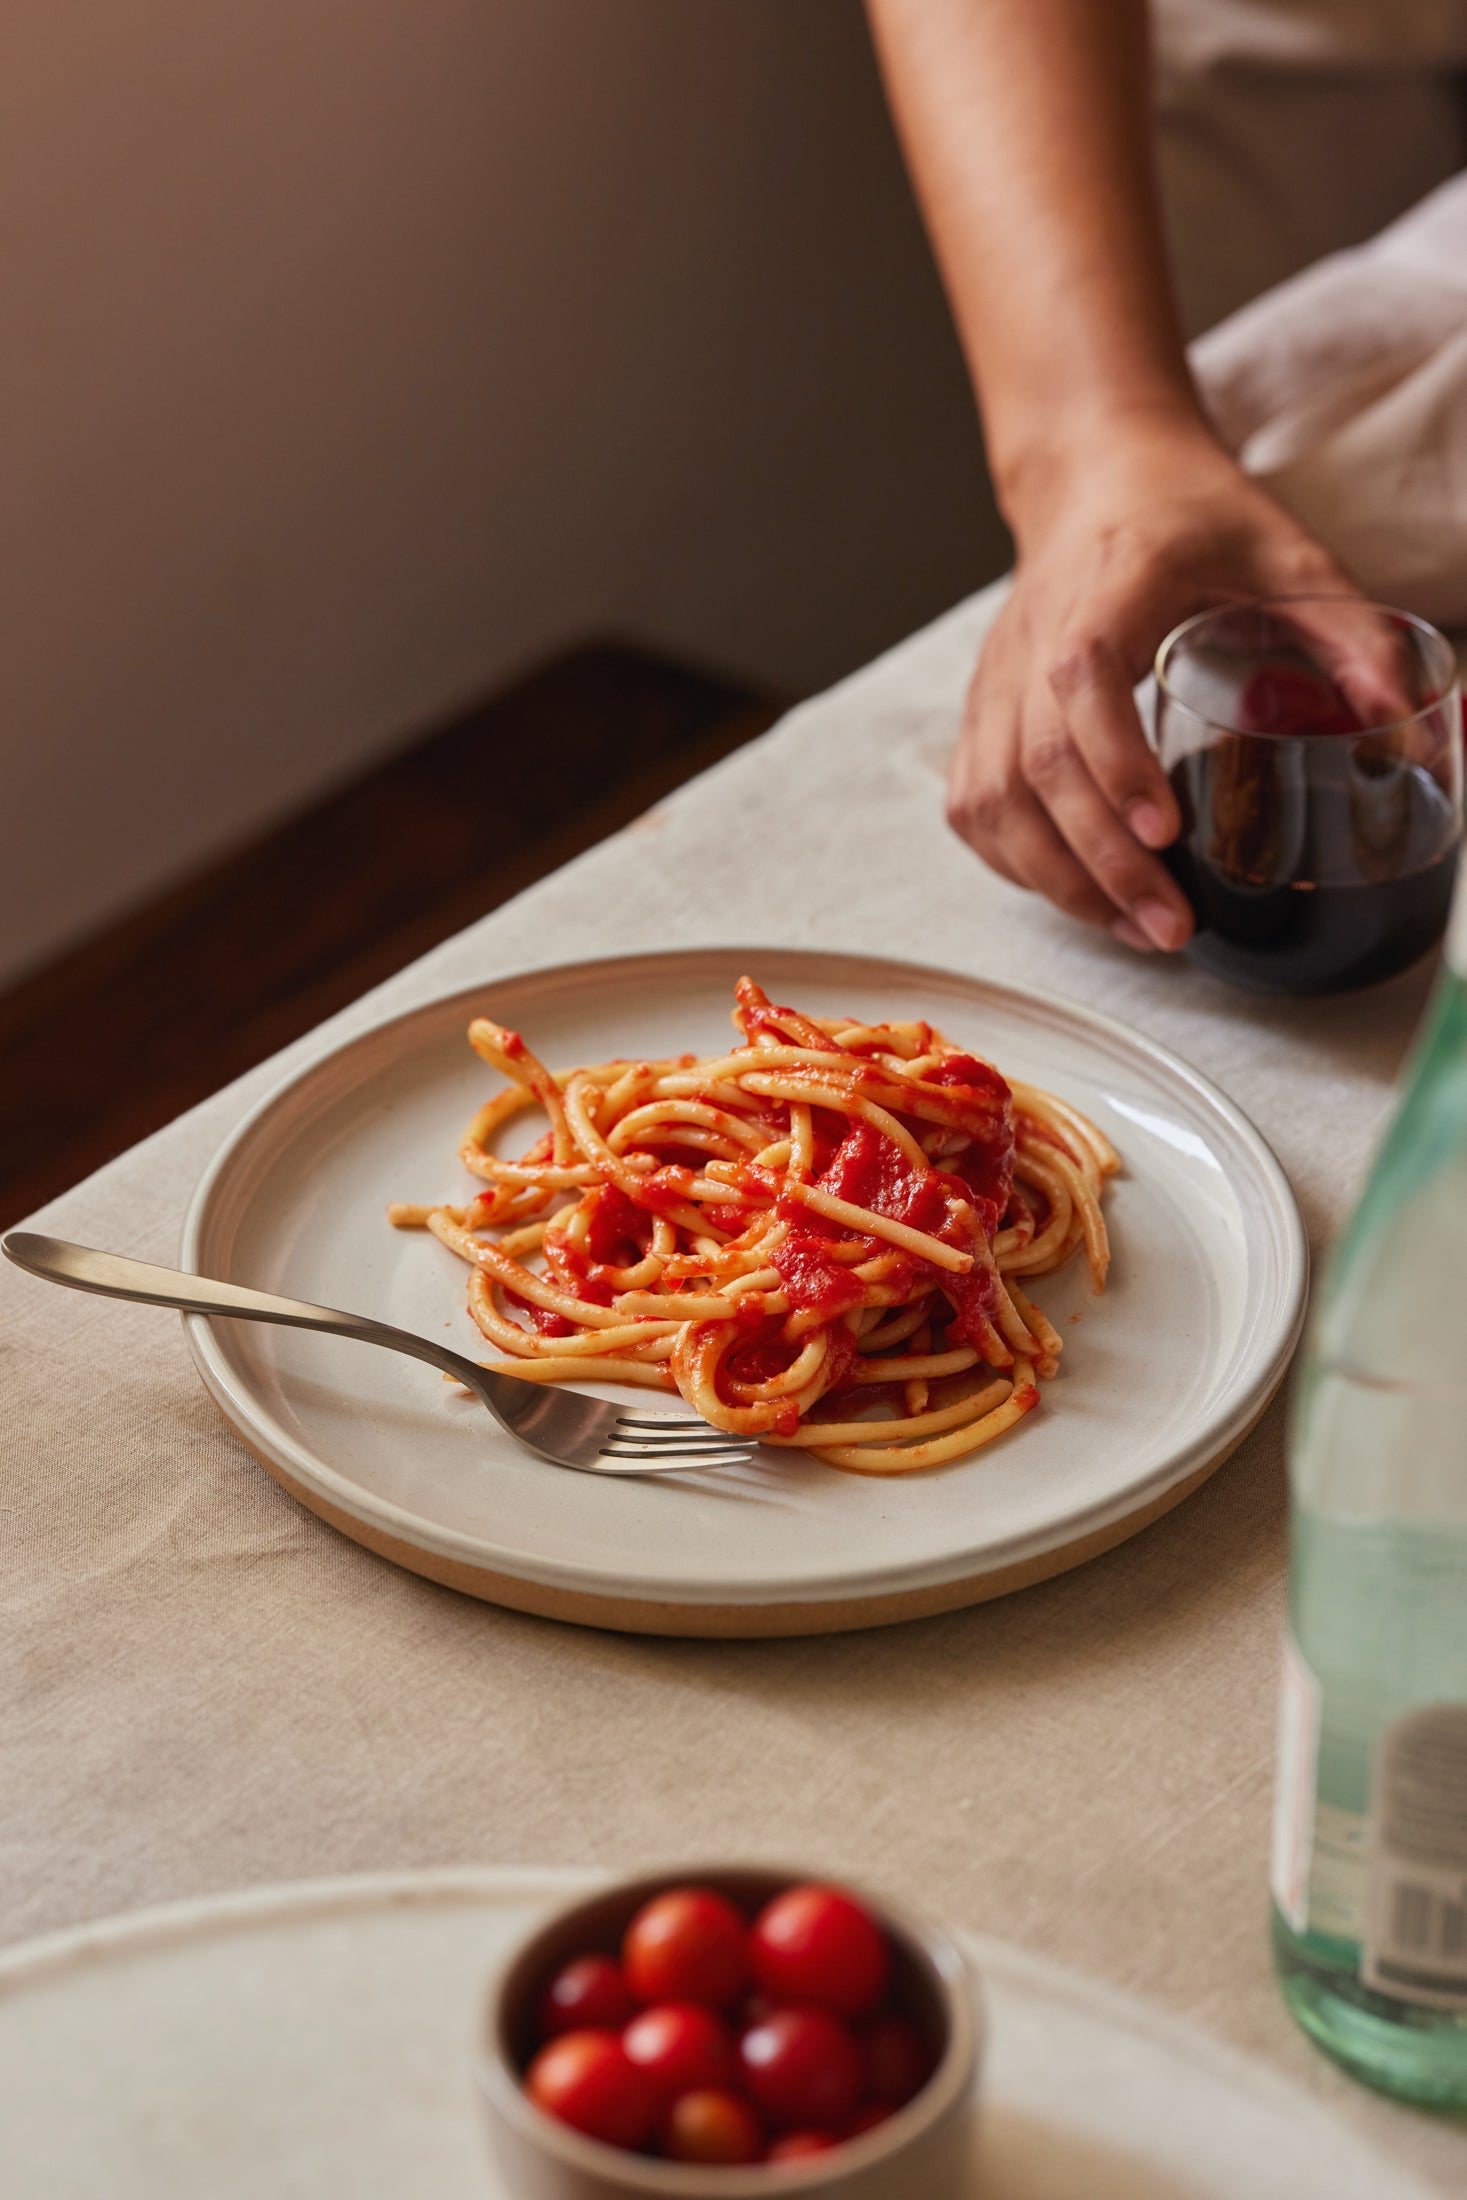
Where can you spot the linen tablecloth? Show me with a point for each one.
(204, 1687)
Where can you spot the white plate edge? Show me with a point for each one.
(196, 1917)
(1220, 1435)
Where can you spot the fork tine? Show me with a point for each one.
(615, 1462)
(661, 1421)
(661, 1432)
(611, 1450)
(651, 1440)
(677, 1432)
(663, 1461)
(672, 1451)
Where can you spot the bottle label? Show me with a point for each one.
(1415, 1944)
(1456, 941)
(1300, 1696)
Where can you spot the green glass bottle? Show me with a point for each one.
(1370, 1823)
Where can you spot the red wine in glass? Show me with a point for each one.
(1342, 921)
(1318, 853)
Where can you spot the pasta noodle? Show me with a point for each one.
(817, 1238)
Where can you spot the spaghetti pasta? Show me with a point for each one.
(817, 1238)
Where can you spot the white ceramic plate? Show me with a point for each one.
(303, 2043)
(1162, 1376)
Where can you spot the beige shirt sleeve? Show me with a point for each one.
(1311, 34)
(1287, 129)
(1345, 390)
(1313, 157)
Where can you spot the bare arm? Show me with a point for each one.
(1027, 127)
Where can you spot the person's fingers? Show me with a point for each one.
(1040, 860)
(996, 814)
(1368, 657)
(1091, 684)
(993, 808)
(979, 772)
(1131, 935)
(1357, 646)
(1138, 887)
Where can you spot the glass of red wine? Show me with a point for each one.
(1314, 745)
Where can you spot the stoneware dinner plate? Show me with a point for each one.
(302, 2043)
(1162, 1376)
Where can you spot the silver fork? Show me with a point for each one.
(562, 1426)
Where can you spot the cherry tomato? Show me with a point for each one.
(588, 1992)
(814, 1944)
(802, 2068)
(687, 1945)
(681, 2047)
(795, 2145)
(586, 2079)
(867, 2118)
(711, 2125)
(895, 2060)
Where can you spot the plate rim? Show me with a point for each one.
(48, 1958)
(306, 1473)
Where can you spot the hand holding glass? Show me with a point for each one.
(1314, 747)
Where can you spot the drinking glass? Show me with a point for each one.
(1314, 745)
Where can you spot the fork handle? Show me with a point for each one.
(115, 1277)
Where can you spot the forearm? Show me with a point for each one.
(1028, 132)
(1027, 128)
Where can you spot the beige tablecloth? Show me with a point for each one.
(203, 1687)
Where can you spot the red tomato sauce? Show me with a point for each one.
(540, 1317)
(843, 1354)
(967, 1072)
(871, 1172)
(772, 1018)
(690, 1158)
(986, 1170)
(827, 1130)
(812, 1280)
(762, 1359)
(568, 1268)
(758, 1183)
(732, 1219)
(662, 1189)
(615, 1238)
(974, 1298)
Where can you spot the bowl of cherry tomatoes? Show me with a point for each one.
(731, 2034)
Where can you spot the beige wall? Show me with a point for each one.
(354, 351)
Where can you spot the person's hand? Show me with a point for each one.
(1054, 782)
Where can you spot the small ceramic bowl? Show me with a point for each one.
(921, 2150)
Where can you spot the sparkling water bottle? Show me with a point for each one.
(1370, 1824)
